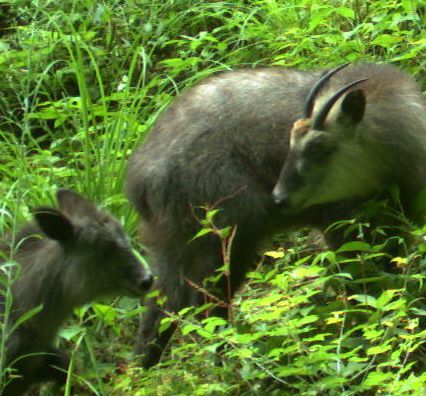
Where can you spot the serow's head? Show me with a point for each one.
(326, 159)
(94, 247)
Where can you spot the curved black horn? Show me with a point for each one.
(319, 120)
(309, 102)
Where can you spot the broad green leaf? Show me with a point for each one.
(395, 305)
(332, 382)
(325, 257)
(307, 271)
(355, 246)
(346, 12)
(377, 378)
(386, 40)
(213, 322)
(204, 333)
(364, 299)
(105, 312)
(378, 349)
(244, 353)
(189, 328)
(418, 311)
(284, 371)
(386, 297)
(70, 332)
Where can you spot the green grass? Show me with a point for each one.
(82, 81)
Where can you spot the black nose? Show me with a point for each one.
(146, 282)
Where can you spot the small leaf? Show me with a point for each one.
(188, 328)
(225, 232)
(418, 311)
(211, 214)
(276, 254)
(376, 350)
(377, 378)
(204, 333)
(335, 319)
(105, 312)
(26, 316)
(395, 305)
(244, 353)
(70, 332)
(324, 257)
(202, 232)
(386, 40)
(364, 299)
(386, 297)
(213, 347)
(346, 12)
(355, 246)
(165, 324)
(304, 272)
(213, 322)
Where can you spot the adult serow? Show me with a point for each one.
(364, 131)
(222, 144)
(68, 257)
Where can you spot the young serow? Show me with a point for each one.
(362, 132)
(68, 257)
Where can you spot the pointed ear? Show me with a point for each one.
(74, 204)
(54, 224)
(352, 108)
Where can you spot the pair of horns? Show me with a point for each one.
(318, 122)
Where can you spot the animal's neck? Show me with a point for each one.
(43, 282)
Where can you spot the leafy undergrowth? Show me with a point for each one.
(342, 322)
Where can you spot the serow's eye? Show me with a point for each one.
(317, 150)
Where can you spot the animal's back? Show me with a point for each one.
(225, 137)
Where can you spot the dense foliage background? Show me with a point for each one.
(82, 81)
